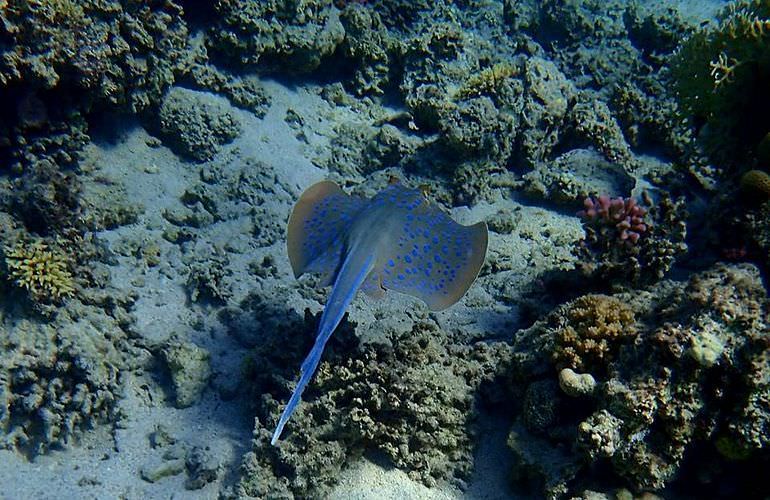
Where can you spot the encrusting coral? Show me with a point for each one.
(39, 269)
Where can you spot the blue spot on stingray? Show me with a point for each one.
(408, 259)
(435, 240)
(437, 258)
(391, 263)
(444, 249)
(401, 276)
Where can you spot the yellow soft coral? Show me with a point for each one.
(40, 270)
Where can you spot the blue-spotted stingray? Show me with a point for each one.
(395, 241)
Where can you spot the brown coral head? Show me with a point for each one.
(591, 329)
(756, 183)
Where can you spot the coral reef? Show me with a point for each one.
(593, 121)
(189, 367)
(592, 329)
(208, 281)
(118, 52)
(625, 215)
(576, 384)
(488, 81)
(548, 98)
(294, 36)
(370, 47)
(574, 176)
(176, 457)
(755, 226)
(756, 183)
(694, 377)
(62, 377)
(631, 380)
(720, 74)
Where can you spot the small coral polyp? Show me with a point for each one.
(40, 270)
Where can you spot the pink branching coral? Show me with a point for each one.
(630, 243)
(625, 214)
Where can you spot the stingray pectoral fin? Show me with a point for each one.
(435, 259)
(316, 229)
(478, 237)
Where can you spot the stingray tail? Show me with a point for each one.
(351, 275)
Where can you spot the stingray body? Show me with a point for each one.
(395, 241)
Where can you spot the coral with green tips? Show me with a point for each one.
(41, 270)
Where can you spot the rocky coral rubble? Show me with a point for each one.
(196, 124)
(63, 377)
(412, 401)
